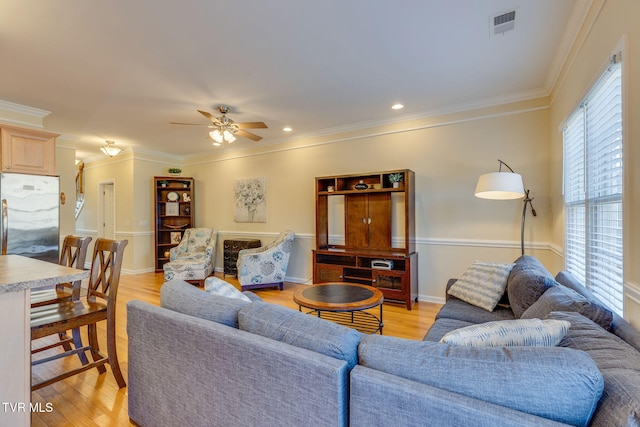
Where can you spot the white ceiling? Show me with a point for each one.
(123, 69)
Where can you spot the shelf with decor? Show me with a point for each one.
(174, 199)
(364, 210)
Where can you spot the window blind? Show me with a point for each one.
(592, 145)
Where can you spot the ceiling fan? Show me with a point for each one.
(225, 129)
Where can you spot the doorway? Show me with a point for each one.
(107, 220)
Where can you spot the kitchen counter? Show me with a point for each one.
(18, 273)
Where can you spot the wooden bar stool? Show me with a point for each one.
(100, 304)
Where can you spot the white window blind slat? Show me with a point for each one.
(592, 143)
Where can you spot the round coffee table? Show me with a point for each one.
(343, 303)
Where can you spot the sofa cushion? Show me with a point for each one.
(482, 284)
(180, 296)
(619, 326)
(555, 382)
(620, 366)
(561, 298)
(509, 333)
(570, 281)
(527, 282)
(460, 310)
(301, 330)
(217, 286)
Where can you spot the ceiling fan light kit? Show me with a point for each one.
(225, 129)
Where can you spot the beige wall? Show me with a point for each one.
(66, 169)
(132, 177)
(447, 153)
(610, 25)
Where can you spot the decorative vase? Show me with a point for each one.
(395, 184)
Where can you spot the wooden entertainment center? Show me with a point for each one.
(365, 232)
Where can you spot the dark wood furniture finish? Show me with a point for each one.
(167, 223)
(369, 218)
(230, 254)
(100, 304)
(329, 300)
(73, 254)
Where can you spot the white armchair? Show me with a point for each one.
(265, 266)
(194, 258)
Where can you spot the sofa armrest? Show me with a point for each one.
(381, 399)
(450, 283)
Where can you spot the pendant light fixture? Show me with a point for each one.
(110, 149)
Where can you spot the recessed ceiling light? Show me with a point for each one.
(397, 107)
(287, 129)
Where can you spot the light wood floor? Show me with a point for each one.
(90, 399)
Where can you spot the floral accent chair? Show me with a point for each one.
(265, 266)
(194, 258)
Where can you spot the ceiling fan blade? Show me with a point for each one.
(249, 135)
(210, 117)
(190, 124)
(251, 125)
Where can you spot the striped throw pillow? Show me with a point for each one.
(483, 284)
(509, 333)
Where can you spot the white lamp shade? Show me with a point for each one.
(500, 186)
(216, 135)
(228, 136)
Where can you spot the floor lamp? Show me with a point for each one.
(505, 186)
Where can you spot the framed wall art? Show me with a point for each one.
(250, 200)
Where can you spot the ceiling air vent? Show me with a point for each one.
(503, 23)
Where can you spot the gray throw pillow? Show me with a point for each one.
(561, 298)
(527, 282)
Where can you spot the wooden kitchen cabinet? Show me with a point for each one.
(27, 151)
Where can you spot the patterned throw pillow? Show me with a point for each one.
(483, 284)
(509, 333)
(217, 286)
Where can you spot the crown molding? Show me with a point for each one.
(23, 109)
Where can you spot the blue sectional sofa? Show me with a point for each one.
(206, 360)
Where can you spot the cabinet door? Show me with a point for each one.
(26, 151)
(356, 220)
(379, 219)
(368, 220)
(391, 283)
(327, 273)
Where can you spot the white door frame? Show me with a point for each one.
(102, 207)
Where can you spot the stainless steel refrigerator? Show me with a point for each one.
(30, 215)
